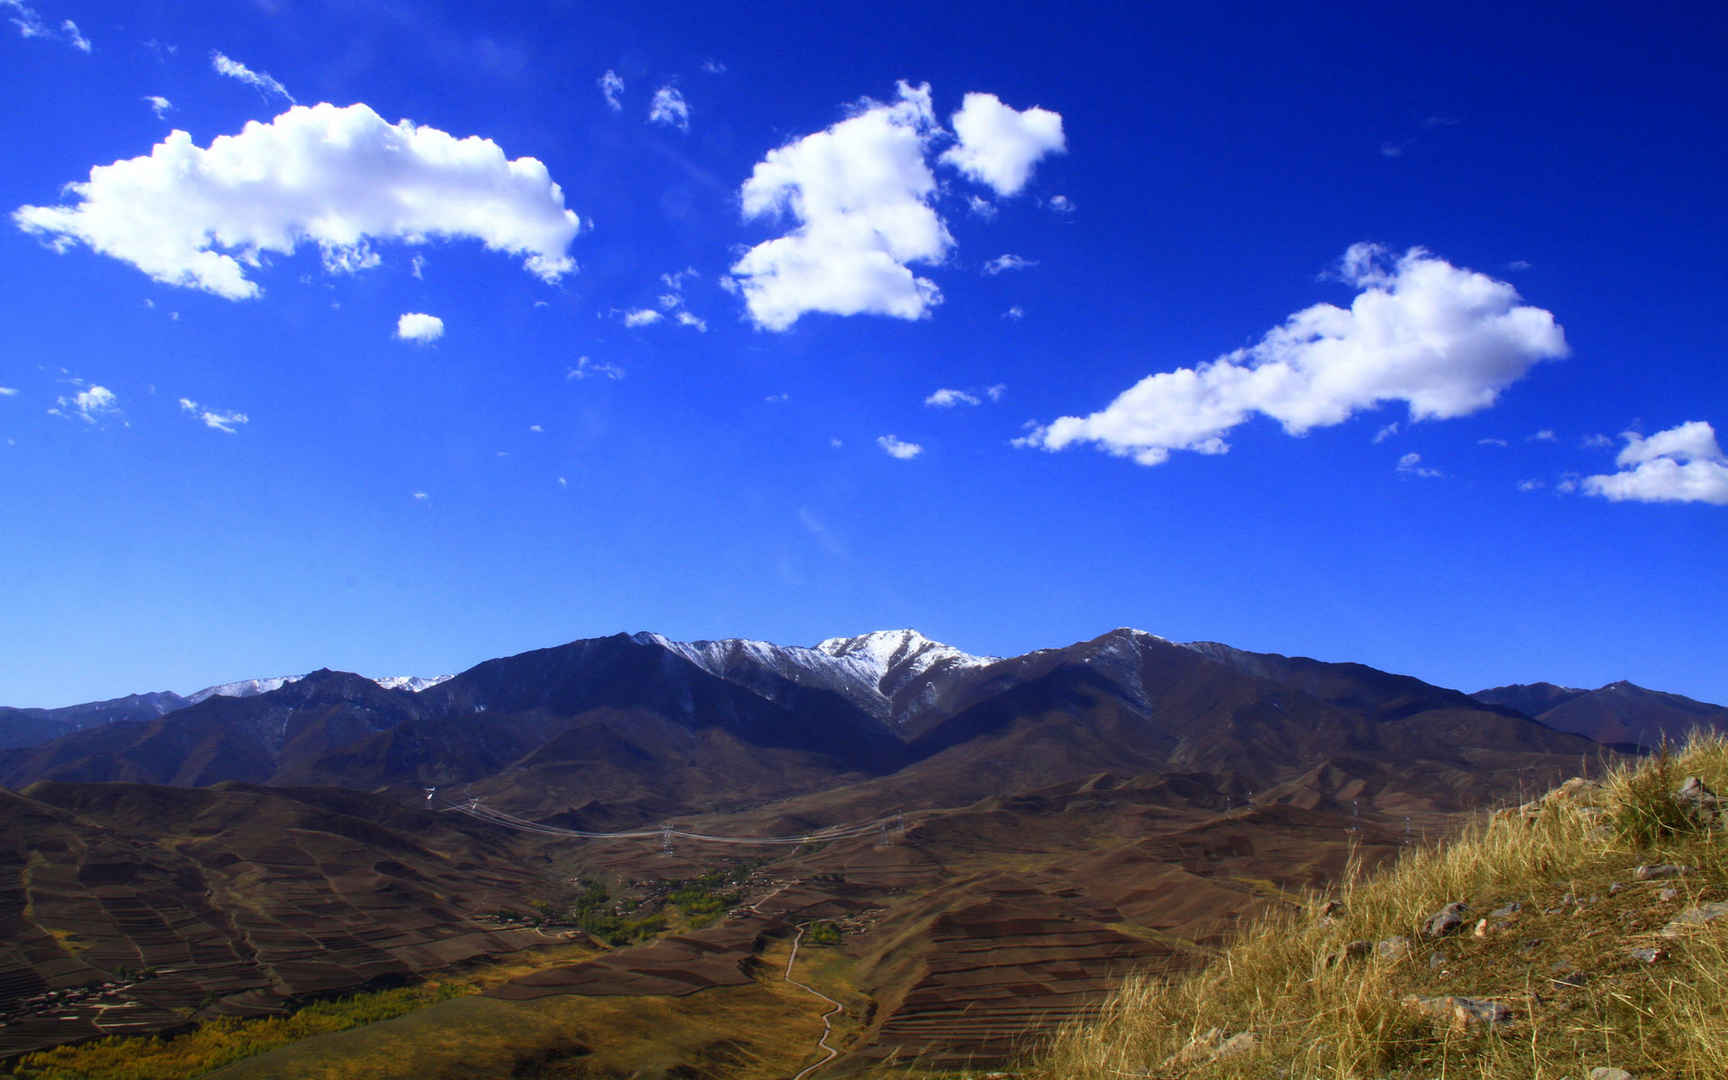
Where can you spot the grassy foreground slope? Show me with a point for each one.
(1594, 940)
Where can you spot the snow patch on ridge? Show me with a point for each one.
(245, 688)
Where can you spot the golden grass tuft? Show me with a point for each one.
(1562, 963)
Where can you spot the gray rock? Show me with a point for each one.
(1464, 1012)
(1446, 920)
(1694, 917)
(1394, 948)
(1645, 954)
(1661, 870)
(1608, 1072)
(1506, 911)
(1668, 894)
(1700, 802)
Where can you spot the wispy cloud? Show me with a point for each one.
(1491, 441)
(589, 368)
(8, 391)
(1062, 204)
(713, 66)
(92, 405)
(265, 83)
(1385, 433)
(226, 421)
(669, 108)
(642, 317)
(948, 399)
(896, 447)
(1597, 441)
(1008, 262)
(1545, 435)
(1015, 313)
(612, 89)
(158, 104)
(1531, 485)
(1411, 464)
(32, 25)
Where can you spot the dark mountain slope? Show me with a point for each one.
(1620, 713)
(32, 727)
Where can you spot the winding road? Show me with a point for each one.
(827, 1022)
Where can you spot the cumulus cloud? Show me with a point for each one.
(262, 81)
(215, 419)
(158, 104)
(420, 328)
(600, 369)
(31, 25)
(91, 405)
(948, 399)
(695, 322)
(1681, 464)
(612, 89)
(895, 447)
(1443, 340)
(1411, 464)
(1008, 262)
(669, 108)
(642, 317)
(334, 177)
(999, 146)
(860, 192)
(1062, 204)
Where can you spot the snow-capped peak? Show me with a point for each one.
(907, 653)
(411, 683)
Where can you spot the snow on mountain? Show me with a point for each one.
(411, 683)
(903, 654)
(245, 688)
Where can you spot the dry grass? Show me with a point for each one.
(1561, 963)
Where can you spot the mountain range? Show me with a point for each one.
(627, 728)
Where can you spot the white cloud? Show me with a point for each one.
(669, 108)
(1016, 313)
(8, 391)
(562, 482)
(417, 267)
(675, 279)
(1491, 441)
(1441, 339)
(1008, 262)
(612, 89)
(1545, 435)
(836, 442)
(999, 146)
(421, 496)
(1411, 463)
(90, 405)
(1681, 464)
(1392, 149)
(947, 399)
(602, 369)
(215, 419)
(350, 258)
(695, 322)
(713, 66)
(995, 392)
(158, 104)
(778, 399)
(1062, 204)
(334, 177)
(1386, 432)
(860, 192)
(262, 81)
(1518, 264)
(1598, 441)
(642, 317)
(30, 25)
(981, 207)
(899, 448)
(419, 328)
(1531, 485)
(535, 428)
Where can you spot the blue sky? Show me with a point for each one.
(1388, 336)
